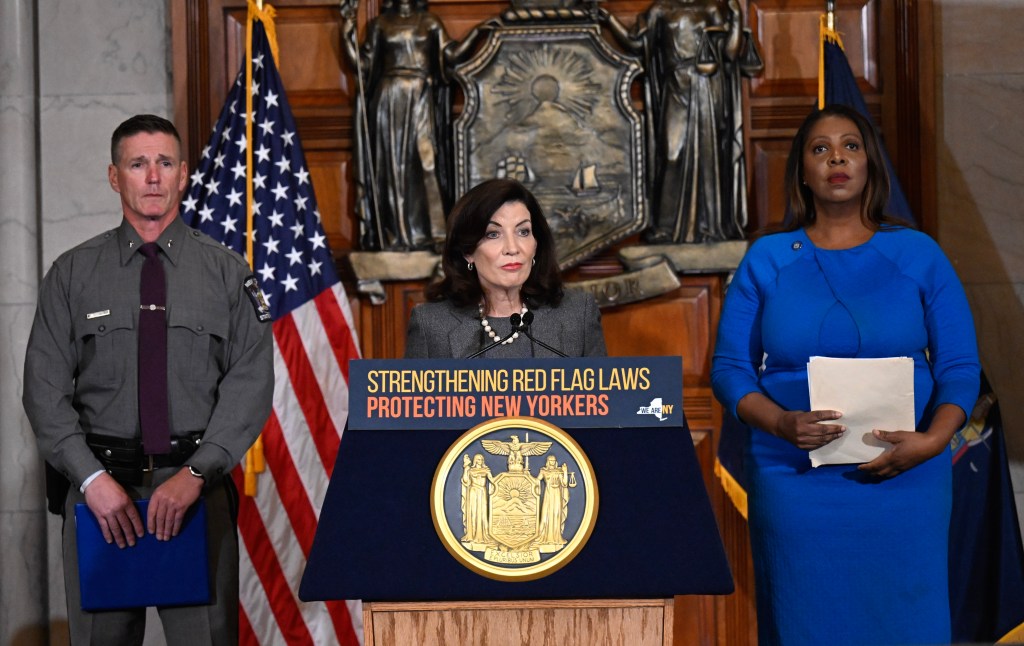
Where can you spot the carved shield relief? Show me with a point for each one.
(549, 105)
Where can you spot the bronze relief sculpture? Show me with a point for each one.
(548, 103)
(694, 53)
(403, 120)
(551, 102)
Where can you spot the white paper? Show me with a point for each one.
(871, 394)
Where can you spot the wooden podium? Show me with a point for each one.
(655, 536)
(611, 622)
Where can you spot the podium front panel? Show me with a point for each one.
(655, 534)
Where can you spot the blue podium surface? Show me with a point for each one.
(655, 535)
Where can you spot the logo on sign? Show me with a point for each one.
(508, 519)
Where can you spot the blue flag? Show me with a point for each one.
(729, 461)
(840, 86)
(986, 558)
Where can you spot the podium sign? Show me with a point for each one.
(654, 534)
(456, 394)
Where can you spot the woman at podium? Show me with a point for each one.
(502, 295)
(846, 553)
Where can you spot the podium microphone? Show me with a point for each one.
(517, 326)
(527, 320)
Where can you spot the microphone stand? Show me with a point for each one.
(517, 326)
(527, 320)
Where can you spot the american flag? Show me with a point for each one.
(313, 342)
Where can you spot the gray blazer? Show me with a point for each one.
(443, 331)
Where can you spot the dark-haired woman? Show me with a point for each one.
(499, 260)
(847, 554)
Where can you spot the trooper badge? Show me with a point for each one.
(508, 519)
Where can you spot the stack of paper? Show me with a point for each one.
(871, 394)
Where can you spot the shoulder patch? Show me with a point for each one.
(259, 301)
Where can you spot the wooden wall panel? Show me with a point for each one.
(788, 33)
(382, 329)
(313, 79)
(767, 201)
(329, 171)
(460, 17)
(680, 323)
(684, 330)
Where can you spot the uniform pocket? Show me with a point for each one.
(197, 340)
(105, 345)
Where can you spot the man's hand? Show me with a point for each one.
(118, 518)
(170, 501)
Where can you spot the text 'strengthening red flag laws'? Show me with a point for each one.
(253, 177)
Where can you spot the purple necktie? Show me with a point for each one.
(156, 437)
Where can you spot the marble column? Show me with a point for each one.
(70, 71)
(23, 523)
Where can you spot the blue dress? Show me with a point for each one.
(841, 557)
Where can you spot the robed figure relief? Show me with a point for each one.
(477, 485)
(554, 507)
(694, 52)
(402, 117)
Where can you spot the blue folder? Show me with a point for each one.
(151, 573)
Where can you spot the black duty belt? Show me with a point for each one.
(125, 460)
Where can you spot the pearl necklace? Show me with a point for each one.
(491, 333)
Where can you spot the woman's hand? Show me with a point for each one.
(909, 449)
(799, 428)
(803, 430)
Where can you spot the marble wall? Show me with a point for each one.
(70, 71)
(23, 584)
(980, 150)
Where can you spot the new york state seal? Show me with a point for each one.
(505, 518)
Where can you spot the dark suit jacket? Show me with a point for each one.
(443, 331)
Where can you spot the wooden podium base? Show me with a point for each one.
(609, 622)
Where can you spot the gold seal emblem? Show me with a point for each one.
(505, 519)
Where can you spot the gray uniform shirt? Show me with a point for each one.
(81, 363)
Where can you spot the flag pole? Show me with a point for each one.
(254, 454)
(255, 462)
(827, 32)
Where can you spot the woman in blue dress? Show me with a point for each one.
(846, 554)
